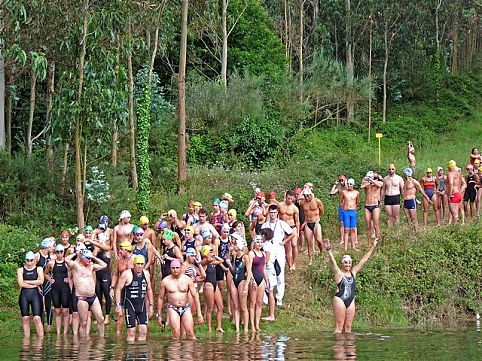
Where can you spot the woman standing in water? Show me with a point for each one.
(344, 300)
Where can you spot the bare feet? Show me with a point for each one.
(268, 318)
(106, 320)
(219, 330)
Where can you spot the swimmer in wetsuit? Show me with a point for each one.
(135, 283)
(344, 300)
(29, 278)
(470, 195)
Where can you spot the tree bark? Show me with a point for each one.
(286, 32)
(66, 166)
(224, 55)
(33, 86)
(350, 106)
(115, 132)
(302, 26)
(132, 122)
(181, 142)
(2, 102)
(79, 195)
(8, 122)
(385, 67)
(50, 93)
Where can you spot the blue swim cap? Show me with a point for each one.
(408, 172)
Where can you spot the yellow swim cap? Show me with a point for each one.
(143, 220)
(206, 249)
(429, 170)
(139, 258)
(126, 245)
(452, 164)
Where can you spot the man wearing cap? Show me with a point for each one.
(272, 198)
(470, 195)
(313, 209)
(258, 200)
(83, 277)
(124, 262)
(205, 225)
(349, 199)
(143, 247)
(410, 188)
(455, 188)
(103, 227)
(282, 234)
(57, 275)
(372, 186)
(123, 231)
(392, 187)
(337, 188)
(289, 213)
(176, 288)
(135, 283)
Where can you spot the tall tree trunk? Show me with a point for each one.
(79, 195)
(8, 122)
(65, 167)
(302, 27)
(115, 131)
(437, 25)
(287, 31)
(385, 67)
(370, 24)
(350, 106)
(2, 102)
(132, 122)
(33, 86)
(181, 140)
(224, 55)
(50, 93)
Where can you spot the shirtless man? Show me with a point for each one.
(177, 287)
(455, 189)
(123, 231)
(289, 213)
(392, 187)
(339, 186)
(205, 225)
(136, 285)
(124, 262)
(410, 188)
(312, 208)
(83, 277)
(411, 155)
(349, 199)
(372, 186)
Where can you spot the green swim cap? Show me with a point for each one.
(168, 234)
(88, 229)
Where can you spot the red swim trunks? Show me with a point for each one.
(455, 198)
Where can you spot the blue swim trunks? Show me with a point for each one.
(340, 215)
(350, 218)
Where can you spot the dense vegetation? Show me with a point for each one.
(91, 103)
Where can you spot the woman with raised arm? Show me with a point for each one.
(344, 300)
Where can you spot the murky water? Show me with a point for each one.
(461, 344)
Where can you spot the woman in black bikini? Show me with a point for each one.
(212, 294)
(240, 268)
(258, 260)
(344, 300)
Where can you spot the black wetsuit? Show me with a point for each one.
(346, 289)
(134, 300)
(60, 289)
(470, 192)
(142, 251)
(46, 290)
(103, 281)
(30, 297)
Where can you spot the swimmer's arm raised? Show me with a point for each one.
(366, 257)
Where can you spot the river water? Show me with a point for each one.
(457, 344)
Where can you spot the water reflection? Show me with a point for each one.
(344, 347)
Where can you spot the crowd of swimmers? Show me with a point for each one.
(206, 253)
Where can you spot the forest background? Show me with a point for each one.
(143, 105)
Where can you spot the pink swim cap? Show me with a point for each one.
(175, 263)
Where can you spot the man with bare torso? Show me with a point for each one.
(289, 213)
(176, 287)
(123, 231)
(455, 189)
(349, 199)
(124, 261)
(83, 277)
(372, 186)
(410, 188)
(313, 209)
(392, 187)
(339, 186)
